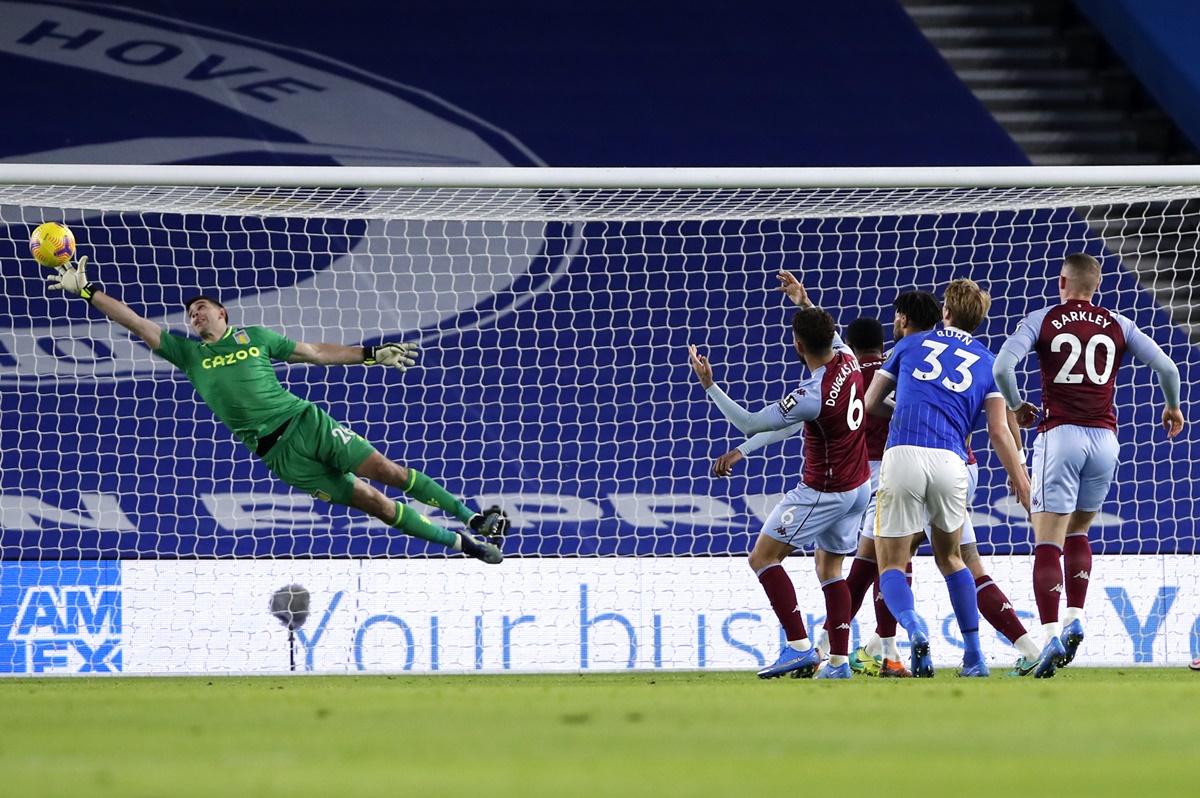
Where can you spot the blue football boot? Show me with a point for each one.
(979, 670)
(1072, 636)
(921, 662)
(831, 672)
(802, 664)
(1048, 661)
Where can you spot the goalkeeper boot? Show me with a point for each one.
(1072, 636)
(922, 663)
(1024, 666)
(801, 664)
(492, 523)
(834, 671)
(893, 669)
(1047, 663)
(480, 549)
(864, 663)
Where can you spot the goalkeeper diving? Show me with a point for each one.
(230, 367)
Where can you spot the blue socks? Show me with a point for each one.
(898, 596)
(966, 609)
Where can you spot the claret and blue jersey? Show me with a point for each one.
(942, 379)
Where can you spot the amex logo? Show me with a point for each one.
(60, 617)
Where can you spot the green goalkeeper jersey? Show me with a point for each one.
(235, 378)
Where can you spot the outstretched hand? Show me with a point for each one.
(701, 366)
(70, 277)
(793, 289)
(1172, 420)
(400, 356)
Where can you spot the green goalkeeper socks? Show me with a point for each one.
(410, 522)
(426, 491)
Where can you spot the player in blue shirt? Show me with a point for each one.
(943, 380)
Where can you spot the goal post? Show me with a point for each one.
(554, 307)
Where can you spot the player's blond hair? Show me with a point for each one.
(1082, 272)
(966, 304)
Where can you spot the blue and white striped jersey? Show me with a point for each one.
(942, 379)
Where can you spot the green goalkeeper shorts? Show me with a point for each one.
(318, 456)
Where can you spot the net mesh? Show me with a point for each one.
(577, 204)
(554, 379)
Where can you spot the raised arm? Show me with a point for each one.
(401, 356)
(800, 405)
(794, 290)
(771, 417)
(327, 354)
(73, 279)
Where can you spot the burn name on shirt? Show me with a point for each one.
(954, 332)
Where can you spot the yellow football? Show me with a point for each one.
(52, 244)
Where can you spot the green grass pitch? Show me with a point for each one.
(1087, 732)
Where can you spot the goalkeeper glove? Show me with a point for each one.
(73, 279)
(399, 356)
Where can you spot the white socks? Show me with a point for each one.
(1027, 647)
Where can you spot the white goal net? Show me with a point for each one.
(554, 309)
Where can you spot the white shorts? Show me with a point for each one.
(920, 486)
(968, 529)
(1073, 468)
(968, 532)
(830, 521)
(868, 521)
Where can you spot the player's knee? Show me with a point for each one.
(829, 567)
(758, 560)
(890, 555)
(1079, 522)
(389, 472)
(372, 502)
